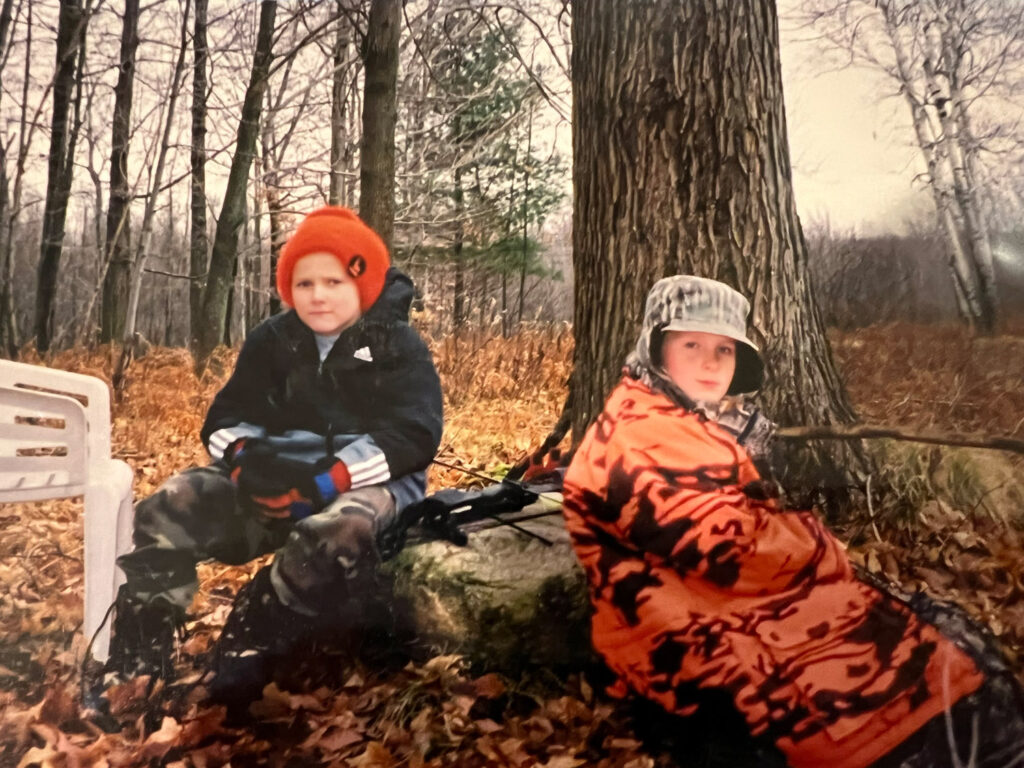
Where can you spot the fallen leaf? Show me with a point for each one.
(59, 706)
(339, 738)
(41, 756)
(376, 755)
(127, 695)
(160, 742)
(490, 686)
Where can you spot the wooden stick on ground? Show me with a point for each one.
(860, 431)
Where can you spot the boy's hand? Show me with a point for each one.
(234, 451)
(288, 505)
(320, 482)
(275, 483)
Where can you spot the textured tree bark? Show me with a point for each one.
(377, 148)
(339, 96)
(8, 320)
(118, 250)
(681, 165)
(142, 247)
(216, 295)
(198, 240)
(63, 134)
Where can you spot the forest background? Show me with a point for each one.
(482, 160)
(904, 122)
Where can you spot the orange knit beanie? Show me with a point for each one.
(338, 231)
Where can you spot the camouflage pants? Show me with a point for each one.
(196, 516)
(983, 730)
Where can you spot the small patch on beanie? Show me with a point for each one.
(356, 265)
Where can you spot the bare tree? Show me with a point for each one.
(64, 126)
(8, 322)
(156, 181)
(116, 282)
(342, 79)
(198, 239)
(948, 60)
(377, 149)
(232, 215)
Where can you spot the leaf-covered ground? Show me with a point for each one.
(951, 529)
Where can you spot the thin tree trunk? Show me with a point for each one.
(339, 93)
(8, 320)
(146, 233)
(70, 65)
(116, 284)
(964, 277)
(254, 288)
(526, 208)
(199, 242)
(275, 211)
(459, 298)
(377, 148)
(214, 319)
(681, 165)
(25, 130)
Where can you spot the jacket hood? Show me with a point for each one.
(395, 299)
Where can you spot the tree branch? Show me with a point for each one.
(859, 431)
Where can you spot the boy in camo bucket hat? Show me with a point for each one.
(687, 303)
(712, 599)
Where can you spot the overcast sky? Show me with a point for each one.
(850, 139)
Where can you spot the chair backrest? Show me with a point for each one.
(90, 391)
(43, 452)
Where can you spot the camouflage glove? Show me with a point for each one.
(758, 438)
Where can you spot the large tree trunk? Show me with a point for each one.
(116, 283)
(214, 316)
(198, 240)
(63, 135)
(681, 165)
(377, 148)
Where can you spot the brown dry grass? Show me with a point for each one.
(935, 377)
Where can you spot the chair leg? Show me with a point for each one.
(107, 523)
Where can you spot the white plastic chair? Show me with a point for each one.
(55, 443)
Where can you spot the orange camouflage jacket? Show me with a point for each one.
(697, 585)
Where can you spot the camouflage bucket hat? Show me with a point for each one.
(690, 303)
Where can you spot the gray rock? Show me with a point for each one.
(505, 601)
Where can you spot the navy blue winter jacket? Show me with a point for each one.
(376, 395)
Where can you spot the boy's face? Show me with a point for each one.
(700, 364)
(323, 294)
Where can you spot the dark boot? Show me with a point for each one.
(142, 642)
(143, 636)
(259, 631)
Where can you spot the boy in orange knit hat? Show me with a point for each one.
(320, 436)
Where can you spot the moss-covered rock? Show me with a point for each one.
(505, 601)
